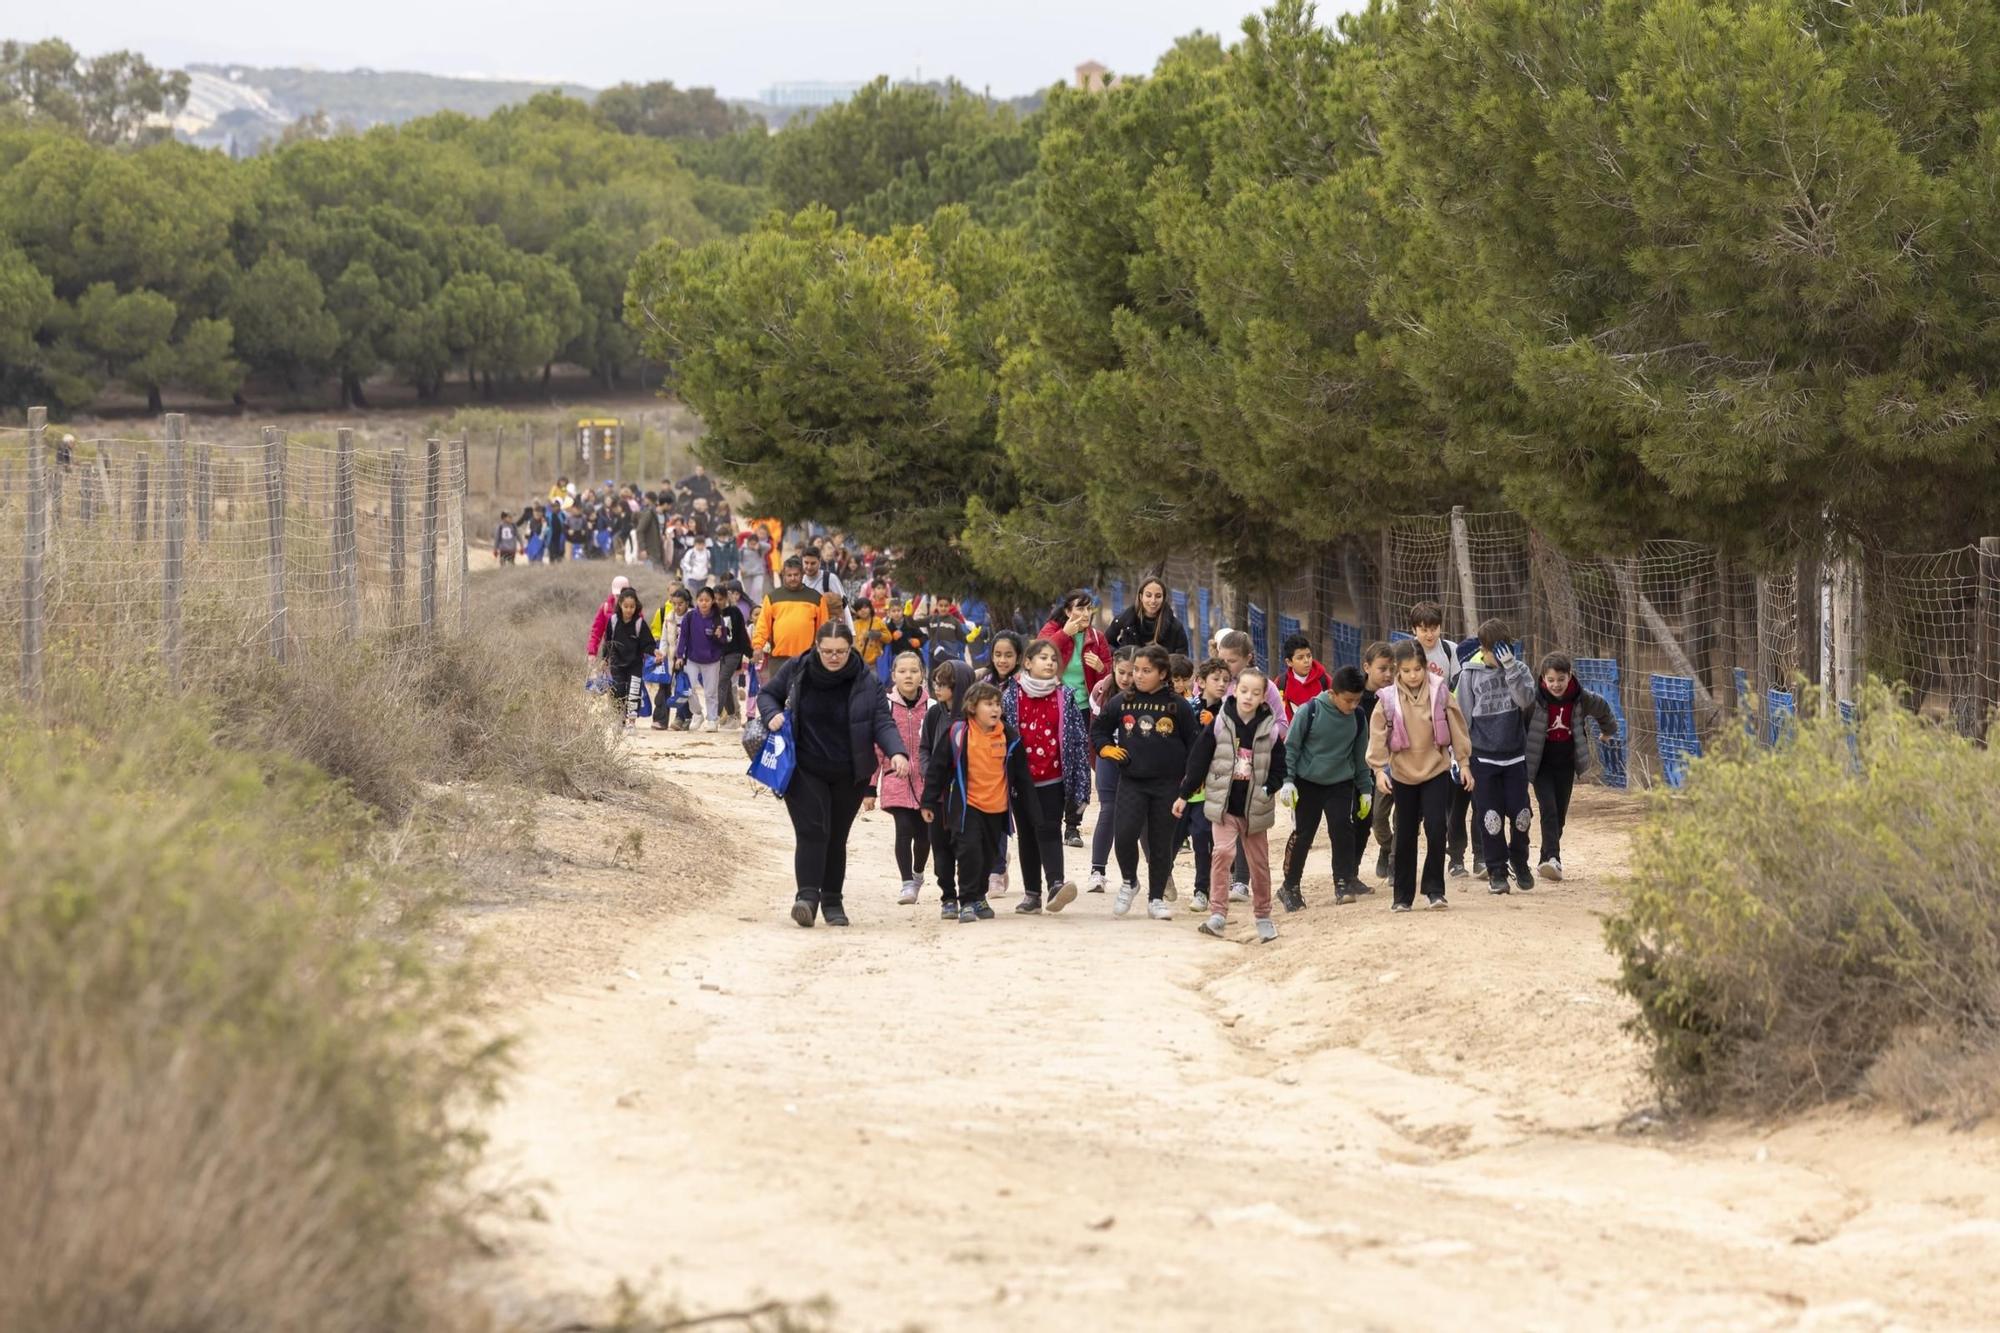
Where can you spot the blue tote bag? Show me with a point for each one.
(776, 762)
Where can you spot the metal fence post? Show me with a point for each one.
(31, 559)
(346, 545)
(427, 555)
(171, 570)
(274, 520)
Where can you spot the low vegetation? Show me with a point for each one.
(1821, 920)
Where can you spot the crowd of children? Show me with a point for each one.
(1443, 752)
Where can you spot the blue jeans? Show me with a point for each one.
(1107, 795)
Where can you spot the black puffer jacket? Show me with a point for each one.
(868, 721)
(1133, 630)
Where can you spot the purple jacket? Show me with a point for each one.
(698, 642)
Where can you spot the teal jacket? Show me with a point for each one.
(1325, 745)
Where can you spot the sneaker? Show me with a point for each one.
(1478, 866)
(1073, 838)
(981, 910)
(967, 915)
(908, 897)
(1399, 907)
(660, 724)
(1551, 870)
(711, 725)
(996, 885)
(1198, 903)
(1028, 907)
(1095, 884)
(1437, 903)
(1359, 885)
(1173, 890)
(1524, 881)
(1157, 909)
(1456, 869)
(1239, 893)
(1383, 866)
(1498, 884)
(1267, 929)
(1342, 897)
(1123, 902)
(1064, 895)
(949, 909)
(1213, 926)
(1288, 895)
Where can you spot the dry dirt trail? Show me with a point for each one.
(1080, 1122)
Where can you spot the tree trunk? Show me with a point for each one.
(486, 386)
(547, 367)
(153, 403)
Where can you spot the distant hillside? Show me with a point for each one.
(248, 104)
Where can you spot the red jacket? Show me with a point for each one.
(602, 623)
(1093, 642)
(1298, 695)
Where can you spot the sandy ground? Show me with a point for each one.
(1079, 1122)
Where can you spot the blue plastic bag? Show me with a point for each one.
(775, 763)
(534, 551)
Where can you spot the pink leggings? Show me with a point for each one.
(1227, 830)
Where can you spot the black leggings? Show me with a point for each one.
(1335, 804)
(1042, 849)
(944, 858)
(1145, 811)
(1500, 800)
(913, 844)
(822, 816)
(1422, 806)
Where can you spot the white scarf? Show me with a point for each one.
(1037, 689)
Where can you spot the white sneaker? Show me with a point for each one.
(1551, 871)
(1215, 925)
(1173, 890)
(1095, 884)
(1158, 910)
(1239, 893)
(996, 886)
(1267, 930)
(710, 725)
(908, 897)
(1123, 902)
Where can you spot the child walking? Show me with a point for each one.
(628, 642)
(1441, 660)
(701, 636)
(949, 682)
(1213, 676)
(1238, 762)
(1416, 728)
(979, 781)
(1558, 754)
(1380, 671)
(1305, 678)
(1105, 771)
(1054, 734)
(1326, 757)
(1496, 692)
(1146, 731)
(910, 708)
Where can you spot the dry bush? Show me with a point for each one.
(1823, 919)
(231, 1100)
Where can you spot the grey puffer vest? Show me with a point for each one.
(1262, 807)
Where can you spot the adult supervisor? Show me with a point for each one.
(1150, 620)
(789, 619)
(837, 721)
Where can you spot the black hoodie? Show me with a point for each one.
(1155, 730)
(937, 722)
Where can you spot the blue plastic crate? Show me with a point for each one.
(1287, 627)
(1673, 711)
(1600, 676)
(1344, 643)
(1179, 601)
(1257, 627)
(1117, 597)
(1781, 711)
(1204, 623)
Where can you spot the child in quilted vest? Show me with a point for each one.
(1416, 729)
(902, 797)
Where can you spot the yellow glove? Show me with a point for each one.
(1115, 753)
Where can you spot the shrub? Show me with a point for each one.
(1823, 919)
(231, 1101)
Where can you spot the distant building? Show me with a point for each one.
(1092, 77)
(808, 96)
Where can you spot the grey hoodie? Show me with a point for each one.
(1496, 703)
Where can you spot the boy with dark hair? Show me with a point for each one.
(1496, 692)
(1213, 684)
(1379, 673)
(1180, 668)
(1441, 660)
(978, 781)
(949, 682)
(1305, 679)
(1326, 756)
(1558, 753)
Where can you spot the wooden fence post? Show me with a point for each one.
(32, 549)
(204, 492)
(346, 543)
(496, 463)
(171, 567)
(1987, 649)
(274, 522)
(427, 555)
(460, 495)
(399, 518)
(1461, 556)
(86, 496)
(141, 478)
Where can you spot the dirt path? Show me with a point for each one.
(1080, 1122)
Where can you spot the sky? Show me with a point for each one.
(738, 47)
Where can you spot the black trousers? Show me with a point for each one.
(822, 816)
(1421, 808)
(1500, 799)
(1335, 804)
(913, 844)
(1145, 813)
(1042, 849)
(1455, 841)
(731, 664)
(1552, 792)
(978, 844)
(944, 858)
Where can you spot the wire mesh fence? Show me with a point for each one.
(1682, 639)
(185, 551)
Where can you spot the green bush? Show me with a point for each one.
(237, 1091)
(1823, 919)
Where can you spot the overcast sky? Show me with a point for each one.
(736, 46)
